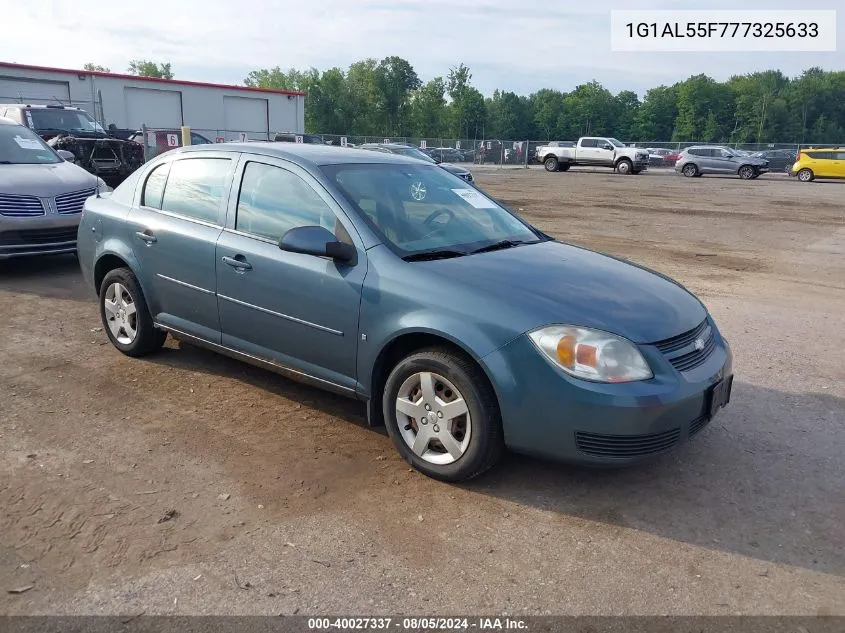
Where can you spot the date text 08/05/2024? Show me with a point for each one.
(723, 29)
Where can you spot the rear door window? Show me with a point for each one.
(196, 188)
(589, 142)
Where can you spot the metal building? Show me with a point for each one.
(215, 110)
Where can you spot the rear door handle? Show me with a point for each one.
(146, 236)
(238, 261)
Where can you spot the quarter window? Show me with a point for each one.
(273, 200)
(196, 188)
(154, 187)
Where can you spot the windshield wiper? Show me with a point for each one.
(431, 255)
(501, 245)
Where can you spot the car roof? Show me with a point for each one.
(38, 105)
(306, 154)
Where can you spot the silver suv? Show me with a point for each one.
(715, 159)
(41, 194)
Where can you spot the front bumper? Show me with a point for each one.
(42, 235)
(548, 413)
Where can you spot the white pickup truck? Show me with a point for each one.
(596, 151)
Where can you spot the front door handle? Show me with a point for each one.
(146, 236)
(238, 261)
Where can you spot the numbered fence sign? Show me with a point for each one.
(243, 137)
(343, 141)
(457, 145)
(516, 145)
(489, 145)
(423, 144)
(299, 138)
(172, 140)
(386, 141)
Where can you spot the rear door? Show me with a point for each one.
(298, 311)
(174, 230)
(588, 151)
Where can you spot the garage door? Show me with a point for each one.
(245, 114)
(153, 108)
(17, 90)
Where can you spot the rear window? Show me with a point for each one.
(196, 188)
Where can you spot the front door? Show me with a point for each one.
(174, 231)
(298, 311)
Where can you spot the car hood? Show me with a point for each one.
(455, 169)
(44, 181)
(553, 282)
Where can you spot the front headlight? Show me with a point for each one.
(591, 354)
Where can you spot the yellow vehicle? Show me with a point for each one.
(819, 162)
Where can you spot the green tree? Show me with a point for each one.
(546, 105)
(699, 97)
(146, 68)
(467, 114)
(395, 81)
(96, 68)
(428, 109)
(655, 118)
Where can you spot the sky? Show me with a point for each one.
(520, 46)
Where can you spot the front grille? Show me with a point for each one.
(20, 206)
(600, 445)
(38, 236)
(681, 350)
(698, 424)
(72, 202)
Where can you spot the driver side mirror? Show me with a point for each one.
(317, 241)
(66, 155)
(607, 146)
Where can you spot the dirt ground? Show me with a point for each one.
(188, 483)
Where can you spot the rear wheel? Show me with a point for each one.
(624, 167)
(805, 175)
(690, 170)
(126, 318)
(551, 163)
(442, 415)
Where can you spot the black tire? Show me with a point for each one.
(148, 338)
(805, 175)
(551, 163)
(690, 170)
(563, 167)
(746, 172)
(486, 443)
(624, 167)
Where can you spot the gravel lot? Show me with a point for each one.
(188, 483)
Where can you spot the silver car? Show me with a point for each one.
(715, 159)
(41, 194)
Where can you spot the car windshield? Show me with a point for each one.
(63, 120)
(20, 146)
(415, 153)
(421, 210)
(616, 142)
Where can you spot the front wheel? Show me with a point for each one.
(624, 167)
(690, 170)
(442, 415)
(746, 172)
(551, 163)
(126, 318)
(805, 175)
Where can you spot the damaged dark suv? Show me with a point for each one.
(74, 130)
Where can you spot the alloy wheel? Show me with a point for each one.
(121, 313)
(433, 418)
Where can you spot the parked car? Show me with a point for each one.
(445, 154)
(820, 162)
(413, 152)
(715, 159)
(597, 151)
(41, 194)
(74, 130)
(290, 137)
(661, 157)
(464, 328)
(164, 140)
(778, 159)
